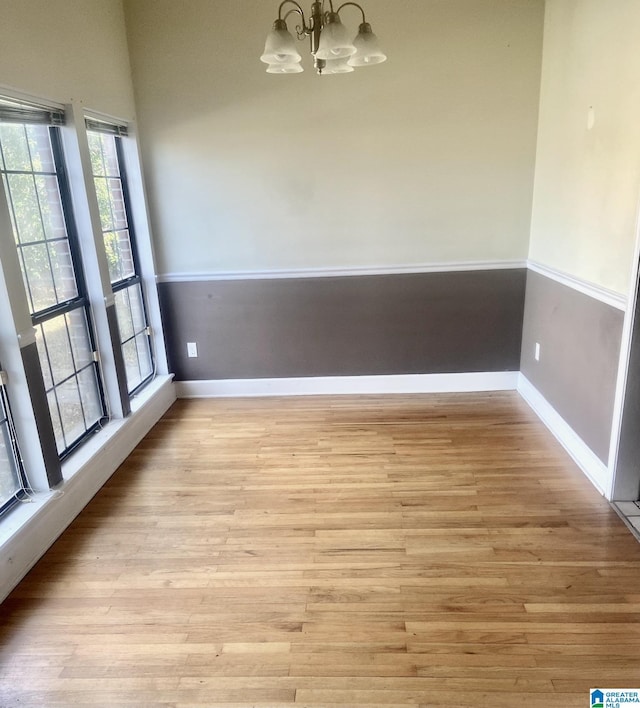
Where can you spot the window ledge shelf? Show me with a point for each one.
(30, 528)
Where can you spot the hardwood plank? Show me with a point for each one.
(429, 550)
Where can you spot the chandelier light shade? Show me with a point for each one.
(368, 50)
(338, 66)
(280, 47)
(332, 47)
(335, 42)
(284, 69)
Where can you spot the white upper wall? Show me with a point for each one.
(587, 184)
(427, 158)
(64, 50)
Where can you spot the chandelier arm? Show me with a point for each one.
(355, 4)
(297, 9)
(292, 11)
(301, 30)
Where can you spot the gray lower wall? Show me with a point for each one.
(579, 340)
(345, 326)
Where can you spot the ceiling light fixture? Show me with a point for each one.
(333, 50)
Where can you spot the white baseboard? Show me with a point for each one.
(336, 385)
(592, 466)
(31, 528)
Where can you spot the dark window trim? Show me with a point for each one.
(125, 283)
(55, 310)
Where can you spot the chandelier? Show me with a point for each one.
(333, 50)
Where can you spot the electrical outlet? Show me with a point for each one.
(192, 349)
(536, 354)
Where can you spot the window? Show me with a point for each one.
(12, 478)
(32, 167)
(105, 146)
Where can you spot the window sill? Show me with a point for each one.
(102, 438)
(30, 528)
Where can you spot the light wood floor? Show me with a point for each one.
(353, 551)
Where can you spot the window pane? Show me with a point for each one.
(50, 206)
(144, 355)
(38, 277)
(137, 359)
(26, 147)
(5, 184)
(37, 215)
(95, 151)
(130, 299)
(55, 344)
(104, 203)
(70, 376)
(12, 479)
(123, 313)
(137, 309)
(110, 155)
(64, 276)
(136, 348)
(9, 480)
(130, 355)
(26, 209)
(111, 204)
(90, 402)
(15, 150)
(40, 148)
(55, 419)
(119, 216)
(71, 413)
(119, 255)
(78, 334)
